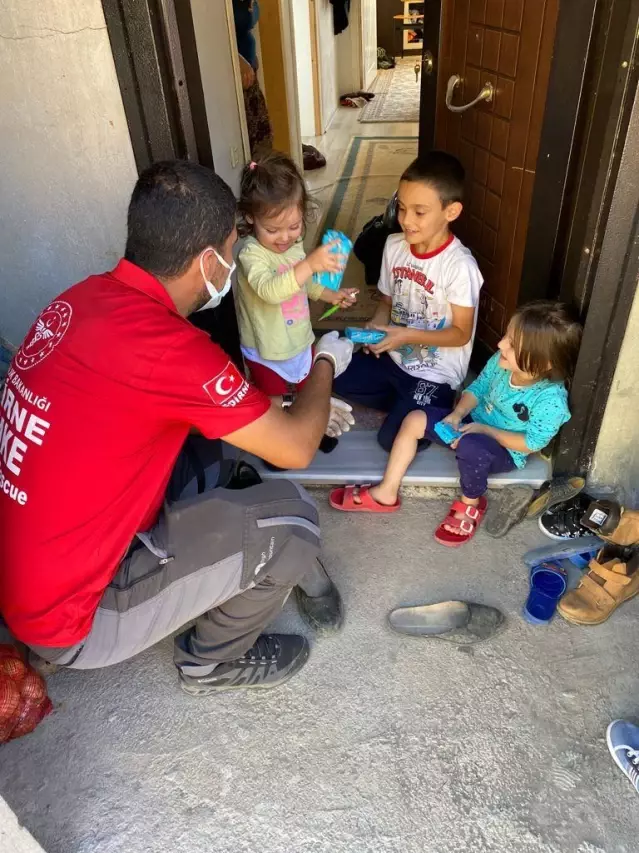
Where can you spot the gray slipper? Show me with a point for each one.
(554, 492)
(506, 508)
(460, 622)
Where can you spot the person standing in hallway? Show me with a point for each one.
(112, 536)
(247, 14)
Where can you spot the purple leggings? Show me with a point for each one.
(477, 455)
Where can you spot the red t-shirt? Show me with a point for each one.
(96, 406)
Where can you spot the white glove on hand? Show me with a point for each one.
(340, 418)
(339, 350)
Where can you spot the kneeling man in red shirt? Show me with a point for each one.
(112, 533)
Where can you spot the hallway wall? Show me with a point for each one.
(328, 61)
(304, 63)
(215, 56)
(616, 460)
(68, 166)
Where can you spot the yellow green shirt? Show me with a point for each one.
(272, 308)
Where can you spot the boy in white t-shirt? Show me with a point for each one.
(429, 291)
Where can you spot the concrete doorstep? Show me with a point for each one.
(358, 458)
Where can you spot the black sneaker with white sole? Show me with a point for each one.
(270, 662)
(564, 520)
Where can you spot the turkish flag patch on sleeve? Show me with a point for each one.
(228, 388)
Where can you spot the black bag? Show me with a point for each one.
(384, 61)
(369, 246)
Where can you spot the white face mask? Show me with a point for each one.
(216, 295)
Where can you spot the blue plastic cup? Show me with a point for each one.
(547, 585)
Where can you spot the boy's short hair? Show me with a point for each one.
(441, 171)
(546, 337)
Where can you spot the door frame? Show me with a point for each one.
(277, 40)
(155, 56)
(434, 36)
(597, 267)
(149, 63)
(237, 74)
(363, 69)
(315, 64)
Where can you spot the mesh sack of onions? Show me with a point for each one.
(23, 695)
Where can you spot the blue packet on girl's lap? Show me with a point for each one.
(446, 432)
(364, 336)
(333, 280)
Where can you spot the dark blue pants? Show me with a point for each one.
(477, 455)
(380, 384)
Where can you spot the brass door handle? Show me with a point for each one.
(428, 62)
(486, 94)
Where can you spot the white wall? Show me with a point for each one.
(304, 65)
(67, 162)
(327, 61)
(348, 49)
(615, 464)
(221, 97)
(357, 48)
(369, 40)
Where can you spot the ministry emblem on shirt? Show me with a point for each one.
(45, 335)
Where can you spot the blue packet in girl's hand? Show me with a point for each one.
(446, 432)
(333, 280)
(364, 336)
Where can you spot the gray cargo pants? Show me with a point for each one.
(227, 559)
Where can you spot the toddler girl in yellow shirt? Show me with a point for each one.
(275, 276)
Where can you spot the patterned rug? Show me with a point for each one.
(369, 178)
(396, 94)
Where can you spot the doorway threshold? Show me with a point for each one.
(358, 458)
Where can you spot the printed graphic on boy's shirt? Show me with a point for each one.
(521, 410)
(401, 315)
(409, 273)
(416, 356)
(410, 306)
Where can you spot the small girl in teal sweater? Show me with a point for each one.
(515, 407)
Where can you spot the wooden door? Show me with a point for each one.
(430, 74)
(509, 44)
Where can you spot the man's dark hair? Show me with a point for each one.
(441, 171)
(177, 209)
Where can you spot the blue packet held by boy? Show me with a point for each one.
(446, 432)
(364, 336)
(333, 280)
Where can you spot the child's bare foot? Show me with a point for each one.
(461, 523)
(386, 497)
(360, 499)
(382, 496)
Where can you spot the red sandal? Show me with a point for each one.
(343, 499)
(467, 526)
